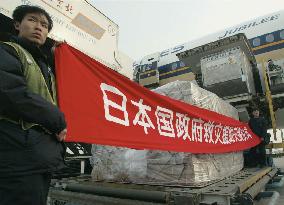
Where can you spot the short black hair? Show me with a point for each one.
(21, 11)
(255, 109)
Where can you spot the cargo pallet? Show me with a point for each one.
(247, 187)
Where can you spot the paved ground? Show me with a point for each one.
(279, 162)
(280, 200)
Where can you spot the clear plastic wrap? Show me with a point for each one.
(161, 167)
(191, 93)
(117, 163)
(193, 168)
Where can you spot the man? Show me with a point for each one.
(32, 128)
(272, 66)
(258, 126)
(275, 73)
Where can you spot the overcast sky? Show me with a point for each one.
(148, 26)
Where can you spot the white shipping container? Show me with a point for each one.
(82, 26)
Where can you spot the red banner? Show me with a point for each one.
(103, 107)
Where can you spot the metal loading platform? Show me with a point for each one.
(243, 188)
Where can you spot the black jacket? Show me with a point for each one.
(16, 101)
(258, 126)
(26, 152)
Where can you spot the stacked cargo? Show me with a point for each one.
(164, 167)
(187, 168)
(118, 164)
(191, 93)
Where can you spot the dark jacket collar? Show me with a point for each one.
(29, 46)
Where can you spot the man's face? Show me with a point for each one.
(33, 27)
(255, 113)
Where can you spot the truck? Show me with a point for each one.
(82, 26)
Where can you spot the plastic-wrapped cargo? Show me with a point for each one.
(186, 168)
(164, 167)
(118, 164)
(191, 93)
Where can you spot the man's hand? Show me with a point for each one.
(56, 44)
(62, 135)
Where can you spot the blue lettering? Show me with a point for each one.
(164, 53)
(178, 48)
(274, 17)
